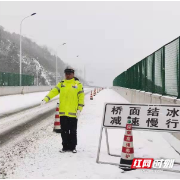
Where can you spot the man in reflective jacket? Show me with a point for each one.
(71, 102)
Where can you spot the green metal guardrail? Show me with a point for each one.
(157, 73)
(11, 79)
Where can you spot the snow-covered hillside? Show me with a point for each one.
(36, 60)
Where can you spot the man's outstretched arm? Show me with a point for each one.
(54, 92)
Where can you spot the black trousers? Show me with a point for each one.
(68, 132)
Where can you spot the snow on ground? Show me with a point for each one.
(13, 103)
(25, 116)
(42, 158)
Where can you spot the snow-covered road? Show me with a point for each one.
(19, 122)
(16, 103)
(36, 154)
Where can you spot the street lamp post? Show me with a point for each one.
(36, 70)
(56, 60)
(20, 66)
(37, 74)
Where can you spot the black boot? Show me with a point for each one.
(73, 148)
(65, 148)
(74, 151)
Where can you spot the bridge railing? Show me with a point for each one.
(12, 79)
(157, 73)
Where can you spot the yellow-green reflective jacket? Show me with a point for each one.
(71, 97)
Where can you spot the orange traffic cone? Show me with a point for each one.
(127, 154)
(91, 96)
(94, 92)
(57, 125)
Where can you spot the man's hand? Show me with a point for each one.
(78, 113)
(43, 102)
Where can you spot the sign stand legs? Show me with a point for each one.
(107, 142)
(116, 155)
(99, 147)
(117, 164)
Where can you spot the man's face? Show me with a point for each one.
(69, 75)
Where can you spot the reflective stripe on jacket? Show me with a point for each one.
(71, 97)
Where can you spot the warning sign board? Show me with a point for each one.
(144, 116)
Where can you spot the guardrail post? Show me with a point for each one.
(140, 76)
(178, 70)
(163, 71)
(153, 73)
(145, 70)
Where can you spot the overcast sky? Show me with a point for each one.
(109, 37)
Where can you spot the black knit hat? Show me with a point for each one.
(69, 70)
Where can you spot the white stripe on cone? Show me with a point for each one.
(57, 119)
(57, 126)
(127, 144)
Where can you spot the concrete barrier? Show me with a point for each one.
(117, 89)
(148, 97)
(29, 89)
(135, 96)
(11, 90)
(168, 100)
(177, 101)
(128, 95)
(156, 98)
(123, 92)
(141, 96)
(138, 96)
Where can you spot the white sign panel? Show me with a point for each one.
(144, 116)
